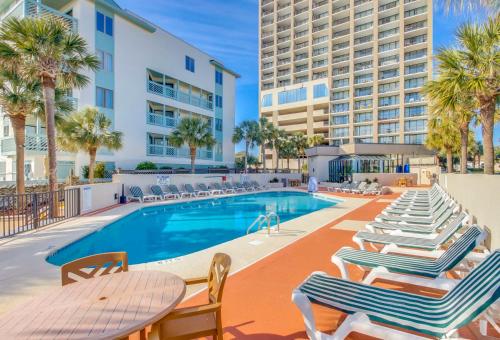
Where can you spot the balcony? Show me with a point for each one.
(32, 8)
(32, 143)
(161, 120)
(183, 97)
(169, 151)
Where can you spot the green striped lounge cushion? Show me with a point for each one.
(415, 219)
(156, 190)
(416, 242)
(424, 314)
(414, 228)
(416, 211)
(415, 265)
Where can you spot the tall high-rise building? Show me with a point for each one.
(147, 81)
(350, 70)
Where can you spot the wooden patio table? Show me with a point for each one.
(106, 307)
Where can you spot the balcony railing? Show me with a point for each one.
(161, 120)
(169, 151)
(32, 8)
(34, 143)
(180, 96)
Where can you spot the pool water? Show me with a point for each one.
(168, 231)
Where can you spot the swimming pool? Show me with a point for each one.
(167, 231)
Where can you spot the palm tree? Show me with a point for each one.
(443, 136)
(20, 99)
(316, 140)
(194, 132)
(277, 137)
(301, 144)
(247, 131)
(473, 68)
(457, 107)
(265, 131)
(17, 100)
(287, 150)
(50, 52)
(88, 130)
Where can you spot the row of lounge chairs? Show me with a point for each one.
(173, 192)
(356, 188)
(416, 240)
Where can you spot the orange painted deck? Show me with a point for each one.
(257, 300)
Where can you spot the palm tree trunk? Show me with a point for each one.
(48, 88)
(487, 112)
(19, 125)
(288, 163)
(246, 157)
(192, 152)
(464, 140)
(449, 161)
(263, 153)
(92, 154)
(298, 161)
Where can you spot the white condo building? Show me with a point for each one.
(148, 81)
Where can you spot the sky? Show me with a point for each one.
(228, 30)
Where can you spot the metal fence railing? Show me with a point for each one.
(20, 213)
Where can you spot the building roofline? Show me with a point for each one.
(218, 64)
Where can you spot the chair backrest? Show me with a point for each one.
(219, 269)
(457, 251)
(173, 189)
(136, 191)
(217, 186)
(202, 186)
(156, 189)
(228, 185)
(189, 188)
(94, 265)
(453, 225)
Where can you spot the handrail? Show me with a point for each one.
(265, 218)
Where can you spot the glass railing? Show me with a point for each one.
(169, 151)
(161, 120)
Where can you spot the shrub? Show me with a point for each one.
(100, 170)
(85, 171)
(146, 166)
(274, 180)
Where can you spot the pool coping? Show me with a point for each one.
(25, 272)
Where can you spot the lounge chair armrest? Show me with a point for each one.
(196, 280)
(192, 311)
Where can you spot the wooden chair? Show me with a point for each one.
(95, 265)
(199, 321)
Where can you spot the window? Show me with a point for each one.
(388, 139)
(340, 132)
(6, 127)
(415, 82)
(189, 64)
(320, 90)
(363, 91)
(363, 117)
(340, 107)
(389, 87)
(267, 100)
(387, 101)
(218, 77)
(104, 24)
(340, 95)
(388, 46)
(416, 125)
(104, 98)
(341, 82)
(415, 54)
(218, 124)
(285, 97)
(218, 101)
(413, 97)
(388, 128)
(415, 68)
(340, 120)
(105, 61)
(415, 139)
(364, 78)
(415, 111)
(363, 104)
(363, 130)
(388, 114)
(388, 33)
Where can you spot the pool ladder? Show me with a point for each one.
(261, 219)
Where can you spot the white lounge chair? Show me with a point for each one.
(138, 195)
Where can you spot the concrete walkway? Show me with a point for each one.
(25, 273)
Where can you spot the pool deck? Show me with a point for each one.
(25, 273)
(257, 297)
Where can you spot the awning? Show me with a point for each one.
(363, 158)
